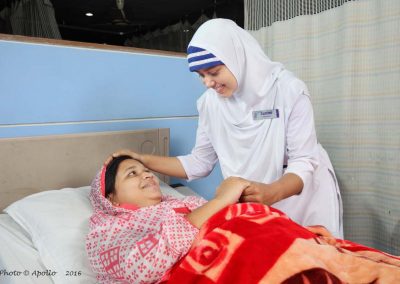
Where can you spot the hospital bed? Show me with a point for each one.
(44, 186)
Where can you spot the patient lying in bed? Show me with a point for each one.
(136, 234)
(139, 236)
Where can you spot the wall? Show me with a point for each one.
(63, 87)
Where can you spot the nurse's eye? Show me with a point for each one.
(214, 72)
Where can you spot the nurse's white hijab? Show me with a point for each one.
(255, 73)
(253, 149)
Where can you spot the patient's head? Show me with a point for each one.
(128, 181)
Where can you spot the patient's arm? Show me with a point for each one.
(226, 194)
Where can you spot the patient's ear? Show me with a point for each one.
(112, 198)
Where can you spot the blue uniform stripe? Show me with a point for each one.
(201, 57)
(196, 55)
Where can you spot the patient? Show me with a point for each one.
(139, 236)
(136, 234)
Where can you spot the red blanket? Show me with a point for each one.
(252, 243)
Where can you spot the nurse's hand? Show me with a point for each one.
(230, 190)
(288, 185)
(259, 193)
(123, 152)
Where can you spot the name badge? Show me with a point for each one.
(265, 114)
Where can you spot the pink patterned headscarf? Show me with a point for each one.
(137, 245)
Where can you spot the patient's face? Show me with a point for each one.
(135, 184)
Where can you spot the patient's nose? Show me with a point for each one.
(146, 175)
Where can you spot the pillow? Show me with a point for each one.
(58, 222)
(167, 190)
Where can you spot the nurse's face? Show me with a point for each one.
(219, 78)
(135, 184)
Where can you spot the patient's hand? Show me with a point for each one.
(231, 189)
(123, 152)
(226, 194)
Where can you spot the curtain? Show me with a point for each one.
(175, 37)
(348, 53)
(32, 18)
(262, 13)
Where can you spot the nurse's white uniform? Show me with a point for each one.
(266, 129)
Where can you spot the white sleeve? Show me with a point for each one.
(301, 141)
(202, 159)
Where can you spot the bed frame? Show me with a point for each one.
(33, 164)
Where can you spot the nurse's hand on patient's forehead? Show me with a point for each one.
(123, 152)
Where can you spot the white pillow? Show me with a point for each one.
(58, 222)
(167, 190)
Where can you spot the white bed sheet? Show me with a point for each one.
(19, 260)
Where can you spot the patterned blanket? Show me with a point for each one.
(252, 243)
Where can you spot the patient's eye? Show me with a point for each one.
(132, 173)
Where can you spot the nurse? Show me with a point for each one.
(256, 118)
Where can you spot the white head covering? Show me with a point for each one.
(255, 73)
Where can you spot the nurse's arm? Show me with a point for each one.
(288, 185)
(170, 166)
